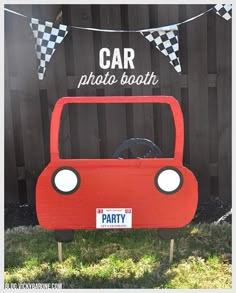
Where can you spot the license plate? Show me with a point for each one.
(113, 218)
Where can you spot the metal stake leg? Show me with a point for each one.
(171, 250)
(59, 251)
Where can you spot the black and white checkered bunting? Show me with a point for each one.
(224, 10)
(167, 42)
(48, 36)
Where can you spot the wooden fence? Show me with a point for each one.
(203, 91)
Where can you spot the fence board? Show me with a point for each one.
(183, 41)
(138, 17)
(29, 101)
(198, 97)
(56, 81)
(169, 84)
(115, 115)
(155, 67)
(223, 36)
(185, 110)
(9, 144)
(213, 118)
(17, 152)
(86, 115)
(211, 42)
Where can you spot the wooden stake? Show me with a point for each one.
(171, 250)
(60, 251)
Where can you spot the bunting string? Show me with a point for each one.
(14, 12)
(119, 30)
(49, 35)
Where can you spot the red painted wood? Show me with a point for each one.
(115, 183)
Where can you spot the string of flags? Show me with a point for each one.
(224, 10)
(49, 35)
(166, 41)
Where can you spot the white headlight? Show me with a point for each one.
(168, 180)
(65, 180)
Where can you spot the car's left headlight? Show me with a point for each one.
(65, 180)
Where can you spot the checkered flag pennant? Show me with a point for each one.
(48, 37)
(224, 10)
(166, 40)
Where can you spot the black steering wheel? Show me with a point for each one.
(137, 148)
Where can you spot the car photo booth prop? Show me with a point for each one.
(117, 193)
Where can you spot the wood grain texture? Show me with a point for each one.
(85, 135)
(224, 101)
(198, 98)
(115, 115)
(29, 102)
(142, 115)
(9, 141)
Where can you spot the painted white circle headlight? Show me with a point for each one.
(65, 180)
(168, 180)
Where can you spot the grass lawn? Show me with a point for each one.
(121, 259)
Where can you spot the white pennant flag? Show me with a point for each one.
(224, 10)
(48, 36)
(165, 39)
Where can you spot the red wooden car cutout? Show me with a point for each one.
(112, 193)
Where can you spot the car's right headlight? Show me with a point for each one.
(168, 180)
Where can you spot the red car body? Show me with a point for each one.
(115, 183)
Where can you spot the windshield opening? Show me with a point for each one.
(105, 131)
